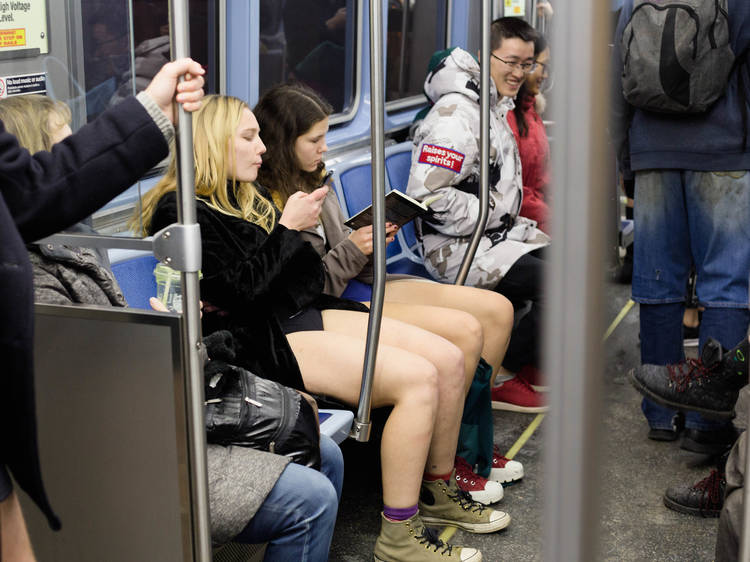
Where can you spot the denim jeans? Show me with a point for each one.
(298, 516)
(684, 218)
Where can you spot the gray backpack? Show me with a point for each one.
(676, 55)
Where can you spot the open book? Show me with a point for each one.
(399, 209)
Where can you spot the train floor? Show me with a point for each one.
(634, 474)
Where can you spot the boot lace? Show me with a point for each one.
(684, 373)
(711, 490)
(430, 537)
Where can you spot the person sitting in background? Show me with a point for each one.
(294, 121)
(446, 160)
(293, 508)
(531, 137)
(264, 283)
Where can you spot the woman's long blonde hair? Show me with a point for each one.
(34, 119)
(214, 127)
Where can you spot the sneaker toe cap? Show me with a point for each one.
(470, 555)
(512, 471)
(497, 517)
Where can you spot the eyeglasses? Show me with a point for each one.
(546, 67)
(526, 67)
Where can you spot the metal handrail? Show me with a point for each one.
(362, 424)
(484, 146)
(186, 215)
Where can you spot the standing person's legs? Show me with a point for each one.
(717, 204)
(660, 271)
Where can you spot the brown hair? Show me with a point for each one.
(285, 113)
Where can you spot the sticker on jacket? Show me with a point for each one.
(440, 156)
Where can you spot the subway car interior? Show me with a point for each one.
(119, 392)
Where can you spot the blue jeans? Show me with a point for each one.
(298, 516)
(684, 218)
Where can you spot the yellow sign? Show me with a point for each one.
(515, 8)
(23, 25)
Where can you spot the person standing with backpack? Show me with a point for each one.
(680, 124)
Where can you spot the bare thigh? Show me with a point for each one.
(331, 364)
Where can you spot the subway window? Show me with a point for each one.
(416, 29)
(125, 42)
(313, 42)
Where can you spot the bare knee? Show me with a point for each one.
(420, 384)
(500, 311)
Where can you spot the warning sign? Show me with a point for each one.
(23, 25)
(23, 84)
(515, 8)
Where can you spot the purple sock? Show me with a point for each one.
(399, 513)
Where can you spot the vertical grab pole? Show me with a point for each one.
(186, 215)
(745, 534)
(362, 425)
(484, 146)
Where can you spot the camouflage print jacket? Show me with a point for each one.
(446, 161)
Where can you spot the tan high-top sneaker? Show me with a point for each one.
(442, 503)
(411, 541)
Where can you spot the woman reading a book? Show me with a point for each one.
(294, 122)
(264, 284)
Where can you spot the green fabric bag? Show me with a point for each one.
(475, 440)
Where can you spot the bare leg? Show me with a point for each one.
(458, 327)
(494, 311)
(14, 538)
(417, 372)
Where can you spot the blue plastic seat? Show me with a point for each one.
(353, 186)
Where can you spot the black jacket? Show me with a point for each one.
(41, 195)
(251, 279)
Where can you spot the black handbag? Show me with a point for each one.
(250, 411)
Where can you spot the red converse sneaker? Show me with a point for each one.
(481, 490)
(534, 377)
(517, 395)
(505, 470)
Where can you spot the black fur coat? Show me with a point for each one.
(250, 280)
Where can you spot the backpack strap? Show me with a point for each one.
(741, 66)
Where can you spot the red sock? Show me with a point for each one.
(435, 477)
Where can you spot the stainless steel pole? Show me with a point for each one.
(745, 535)
(402, 55)
(186, 215)
(574, 285)
(484, 146)
(361, 426)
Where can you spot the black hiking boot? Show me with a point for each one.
(708, 385)
(703, 499)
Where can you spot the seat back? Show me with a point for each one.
(397, 167)
(134, 271)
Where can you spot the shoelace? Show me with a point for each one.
(711, 492)
(430, 536)
(497, 458)
(682, 374)
(466, 502)
(465, 473)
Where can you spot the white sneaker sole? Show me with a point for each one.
(507, 406)
(480, 528)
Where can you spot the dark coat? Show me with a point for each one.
(41, 195)
(251, 279)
